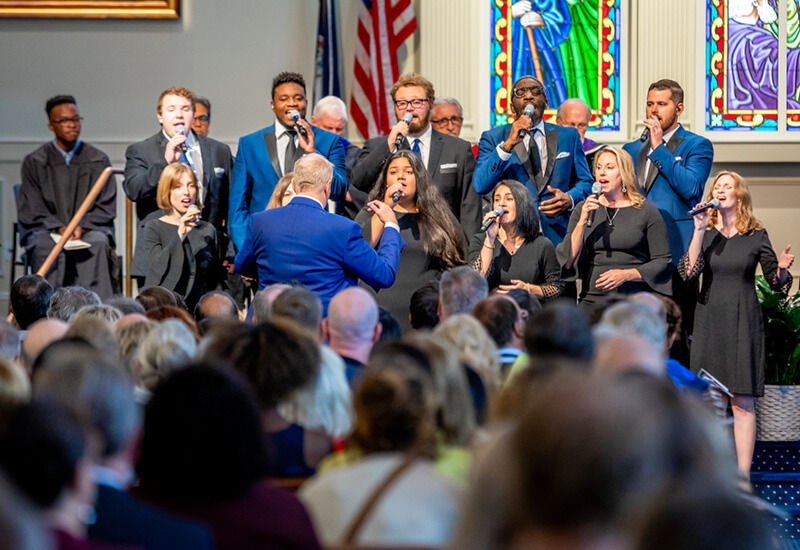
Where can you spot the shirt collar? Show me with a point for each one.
(539, 127)
(668, 135)
(311, 199)
(67, 154)
(280, 130)
(424, 137)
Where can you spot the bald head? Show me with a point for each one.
(130, 319)
(574, 112)
(40, 334)
(352, 314)
(631, 352)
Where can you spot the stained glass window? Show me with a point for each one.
(743, 64)
(572, 46)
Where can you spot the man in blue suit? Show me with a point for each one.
(266, 155)
(546, 158)
(672, 166)
(327, 253)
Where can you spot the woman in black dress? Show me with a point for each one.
(728, 339)
(512, 252)
(434, 239)
(182, 251)
(625, 248)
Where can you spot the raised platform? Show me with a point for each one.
(776, 478)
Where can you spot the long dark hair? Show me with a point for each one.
(527, 221)
(441, 233)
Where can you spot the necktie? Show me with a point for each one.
(291, 151)
(415, 149)
(536, 159)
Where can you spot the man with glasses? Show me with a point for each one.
(449, 160)
(56, 178)
(546, 158)
(202, 116)
(576, 113)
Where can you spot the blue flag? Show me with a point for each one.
(326, 72)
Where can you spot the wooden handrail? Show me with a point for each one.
(76, 219)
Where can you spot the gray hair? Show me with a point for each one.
(67, 300)
(262, 301)
(10, 342)
(447, 100)
(460, 289)
(102, 311)
(332, 106)
(312, 172)
(635, 318)
(164, 349)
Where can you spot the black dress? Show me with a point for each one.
(415, 269)
(620, 238)
(534, 262)
(190, 267)
(728, 338)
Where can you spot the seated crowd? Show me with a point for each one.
(498, 423)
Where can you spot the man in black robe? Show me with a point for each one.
(56, 178)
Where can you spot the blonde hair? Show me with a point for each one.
(745, 219)
(276, 200)
(626, 170)
(170, 177)
(475, 346)
(15, 386)
(179, 91)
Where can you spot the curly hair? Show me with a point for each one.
(441, 234)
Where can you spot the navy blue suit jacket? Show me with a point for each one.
(566, 170)
(676, 182)
(326, 252)
(123, 520)
(256, 172)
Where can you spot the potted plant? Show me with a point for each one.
(778, 411)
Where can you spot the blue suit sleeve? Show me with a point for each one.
(687, 178)
(339, 182)
(582, 176)
(376, 268)
(490, 167)
(241, 190)
(245, 261)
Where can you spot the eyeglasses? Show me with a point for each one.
(415, 103)
(202, 118)
(457, 120)
(535, 91)
(73, 120)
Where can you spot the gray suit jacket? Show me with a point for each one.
(450, 164)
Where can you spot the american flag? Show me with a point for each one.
(383, 26)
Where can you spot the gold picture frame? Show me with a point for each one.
(90, 9)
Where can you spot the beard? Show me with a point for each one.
(416, 127)
(766, 13)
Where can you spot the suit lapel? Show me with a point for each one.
(641, 165)
(522, 153)
(551, 139)
(435, 153)
(272, 149)
(208, 162)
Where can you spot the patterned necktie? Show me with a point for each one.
(416, 149)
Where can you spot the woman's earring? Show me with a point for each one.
(624, 187)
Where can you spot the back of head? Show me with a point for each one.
(390, 327)
(162, 313)
(424, 306)
(30, 298)
(276, 357)
(10, 342)
(558, 331)
(475, 347)
(15, 387)
(40, 450)
(460, 289)
(352, 316)
(394, 410)
(216, 303)
(497, 314)
(98, 332)
(98, 389)
(67, 300)
(300, 305)
(22, 526)
(636, 318)
(202, 437)
(262, 301)
(125, 304)
(619, 352)
(166, 348)
(311, 173)
(156, 296)
(104, 312)
(129, 337)
(40, 335)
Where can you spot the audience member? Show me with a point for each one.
(15, 388)
(352, 328)
(460, 289)
(105, 312)
(129, 336)
(390, 327)
(156, 296)
(395, 430)
(424, 307)
(504, 154)
(166, 348)
(475, 347)
(97, 332)
(22, 525)
(125, 304)
(266, 155)
(10, 343)
(281, 253)
(56, 178)
(502, 319)
(558, 334)
(203, 458)
(40, 335)
(215, 304)
(449, 160)
(300, 305)
(29, 299)
(202, 116)
(262, 301)
(67, 300)
(172, 312)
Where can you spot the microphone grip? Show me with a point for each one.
(645, 135)
(590, 220)
(396, 197)
(301, 130)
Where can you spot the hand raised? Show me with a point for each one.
(383, 211)
(786, 259)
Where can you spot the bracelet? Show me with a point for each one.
(486, 246)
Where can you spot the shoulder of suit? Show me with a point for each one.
(452, 140)
(258, 134)
(212, 142)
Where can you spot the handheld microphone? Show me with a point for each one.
(713, 203)
(596, 190)
(645, 135)
(528, 112)
(295, 115)
(498, 211)
(396, 197)
(407, 118)
(181, 129)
